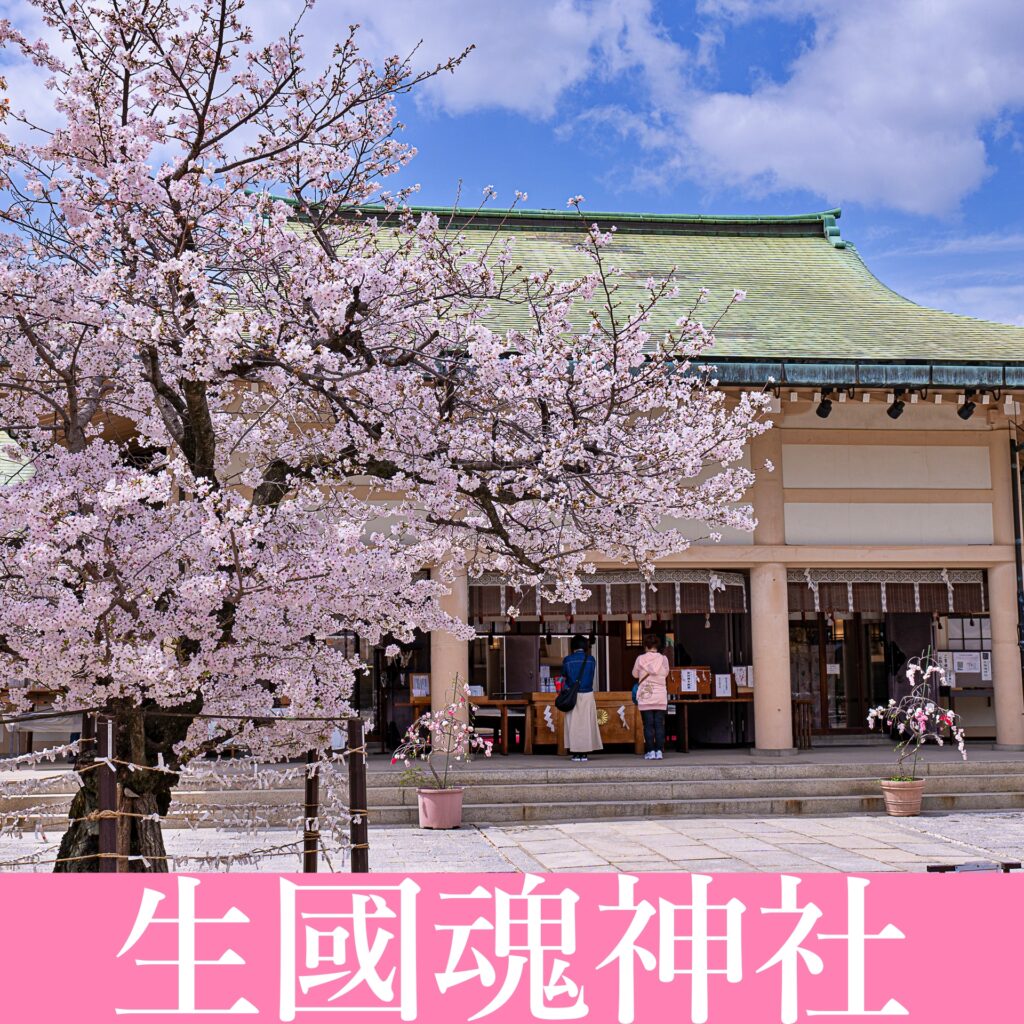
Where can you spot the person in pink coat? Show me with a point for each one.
(651, 671)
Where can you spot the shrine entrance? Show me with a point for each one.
(844, 665)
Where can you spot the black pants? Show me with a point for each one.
(654, 730)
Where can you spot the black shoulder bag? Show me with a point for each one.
(565, 699)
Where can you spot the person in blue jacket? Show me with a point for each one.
(582, 734)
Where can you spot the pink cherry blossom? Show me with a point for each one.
(259, 395)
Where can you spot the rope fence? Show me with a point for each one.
(331, 770)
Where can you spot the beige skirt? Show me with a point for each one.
(581, 731)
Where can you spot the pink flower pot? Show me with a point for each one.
(903, 799)
(440, 808)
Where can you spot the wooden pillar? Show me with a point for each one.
(359, 830)
(106, 784)
(449, 656)
(1007, 689)
(311, 814)
(1007, 683)
(769, 603)
(769, 608)
(767, 493)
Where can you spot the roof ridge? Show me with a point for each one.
(821, 223)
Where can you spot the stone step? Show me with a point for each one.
(718, 805)
(812, 806)
(676, 767)
(589, 799)
(627, 792)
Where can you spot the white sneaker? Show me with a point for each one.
(649, 756)
(658, 756)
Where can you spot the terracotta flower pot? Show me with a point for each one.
(903, 799)
(440, 808)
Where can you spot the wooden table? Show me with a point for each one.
(683, 705)
(502, 704)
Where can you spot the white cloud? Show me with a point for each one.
(889, 103)
(528, 54)
(961, 245)
(1002, 303)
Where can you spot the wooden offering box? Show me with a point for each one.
(546, 725)
(695, 681)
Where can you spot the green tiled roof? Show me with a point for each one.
(814, 312)
(809, 293)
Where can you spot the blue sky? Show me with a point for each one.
(906, 113)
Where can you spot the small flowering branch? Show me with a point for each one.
(439, 739)
(917, 717)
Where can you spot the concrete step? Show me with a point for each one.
(554, 801)
(867, 800)
(711, 808)
(696, 789)
(676, 767)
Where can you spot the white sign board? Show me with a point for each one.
(986, 666)
(832, 668)
(967, 661)
(944, 659)
(723, 686)
(688, 680)
(420, 685)
(739, 673)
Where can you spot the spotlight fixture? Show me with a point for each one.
(966, 411)
(824, 409)
(895, 411)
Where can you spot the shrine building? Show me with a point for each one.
(891, 525)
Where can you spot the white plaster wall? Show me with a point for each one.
(697, 532)
(885, 523)
(886, 466)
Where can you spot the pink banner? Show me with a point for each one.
(510, 948)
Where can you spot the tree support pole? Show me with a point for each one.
(359, 836)
(311, 815)
(106, 786)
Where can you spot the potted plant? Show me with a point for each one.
(440, 740)
(913, 720)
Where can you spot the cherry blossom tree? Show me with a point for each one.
(259, 394)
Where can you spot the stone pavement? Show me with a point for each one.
(857, 843)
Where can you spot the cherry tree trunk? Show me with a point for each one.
(141, 794)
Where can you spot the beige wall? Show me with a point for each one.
(896, 466)
(859, 490)
(888, 523)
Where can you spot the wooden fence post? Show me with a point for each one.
(106, 785)
(359, 835)
(311, 815)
